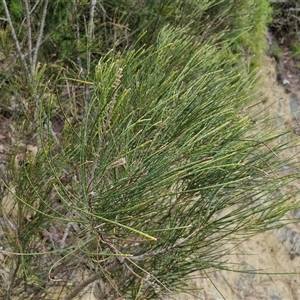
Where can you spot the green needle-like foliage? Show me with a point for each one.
(162, 170)
(155, 163)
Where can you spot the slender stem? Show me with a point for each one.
(29, 35)
(78, 41)
(40, 35)
(90, 38)
(90, 33)
(91, 279)
(14, 35)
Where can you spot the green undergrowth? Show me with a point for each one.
(76, 34)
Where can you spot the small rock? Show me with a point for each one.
(285, 82)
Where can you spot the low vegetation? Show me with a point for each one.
(133, 156)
